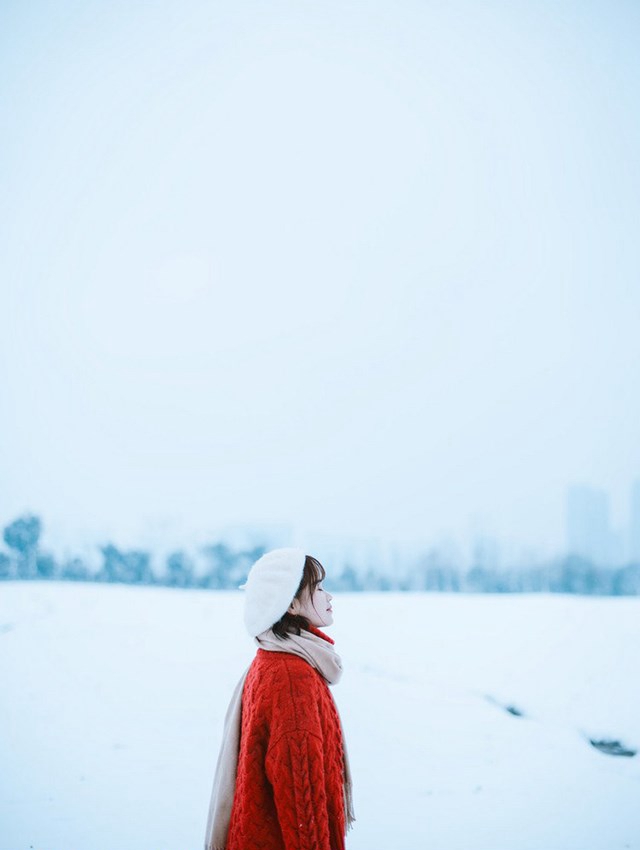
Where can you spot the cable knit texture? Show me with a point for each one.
(289, 784)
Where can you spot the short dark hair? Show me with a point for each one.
(312, 574)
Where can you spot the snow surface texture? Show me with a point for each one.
(113, 700)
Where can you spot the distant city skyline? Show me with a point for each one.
(589, 534)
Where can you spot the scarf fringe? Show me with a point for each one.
(348, 806)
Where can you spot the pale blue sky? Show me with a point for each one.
(363, 268)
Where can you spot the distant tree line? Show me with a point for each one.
(226, 568)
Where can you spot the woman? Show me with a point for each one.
(282, 780)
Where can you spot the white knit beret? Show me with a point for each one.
(270, 587)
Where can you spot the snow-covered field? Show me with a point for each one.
(113, 700)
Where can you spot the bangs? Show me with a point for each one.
(316, 569)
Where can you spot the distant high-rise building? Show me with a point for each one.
(634, 522)
(588, 525)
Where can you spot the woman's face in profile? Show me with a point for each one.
(315, 607)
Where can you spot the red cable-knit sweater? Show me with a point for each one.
(289, 783)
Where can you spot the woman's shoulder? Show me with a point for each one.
(275, 672)
(290, 693)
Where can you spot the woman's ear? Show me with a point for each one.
(292, 608)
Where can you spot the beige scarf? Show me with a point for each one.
(321, 655)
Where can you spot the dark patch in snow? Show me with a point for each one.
(612, 748)
(516, 712)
